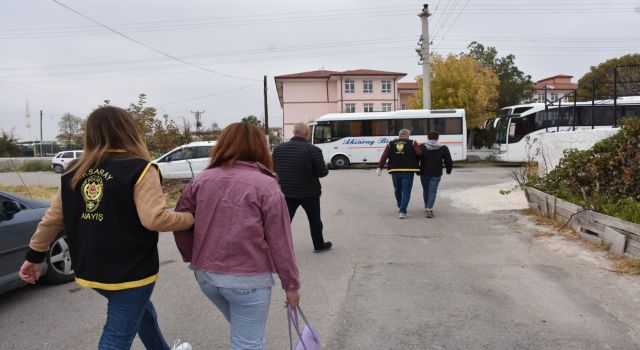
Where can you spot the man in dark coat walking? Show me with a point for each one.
(434, 154)
(299, 166)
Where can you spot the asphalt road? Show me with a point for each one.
(462, 280)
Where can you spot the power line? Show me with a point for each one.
(306, 47)
(149, 47)
(452, 23)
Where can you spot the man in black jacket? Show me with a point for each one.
(433, 155)
(299, 164)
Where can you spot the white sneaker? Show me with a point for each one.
(177, 345)
(402, 216)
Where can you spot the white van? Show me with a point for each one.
(61, 160)
(186, 161)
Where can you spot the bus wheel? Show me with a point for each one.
(340, 161)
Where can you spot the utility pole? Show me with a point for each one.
(27, 125)
(40, 133)
(425, 59)
(198, 116)
(266, 110)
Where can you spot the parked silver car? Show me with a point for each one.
(19, 218)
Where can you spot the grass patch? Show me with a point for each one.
(172, 190)
(558, 225)
(625, 264)
(35, 192)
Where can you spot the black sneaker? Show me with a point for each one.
(327, 246)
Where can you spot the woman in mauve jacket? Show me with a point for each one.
(241, 235)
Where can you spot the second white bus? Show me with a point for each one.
(353, 138)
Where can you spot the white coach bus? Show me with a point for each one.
(517, 134)
(352, 138)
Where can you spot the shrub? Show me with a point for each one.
(603, 178)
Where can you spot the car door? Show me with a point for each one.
(15, 234)
(199, 158)
(66, 158)
(174, 165)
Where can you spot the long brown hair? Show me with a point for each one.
(243, 142)
(107, 129)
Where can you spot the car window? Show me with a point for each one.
(58, 155)
(78, 154)
(199, 152)
(67, 155)
(177, 155)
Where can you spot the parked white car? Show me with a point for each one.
(186, 161)
(61, 160)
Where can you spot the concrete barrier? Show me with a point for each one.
(623, 236)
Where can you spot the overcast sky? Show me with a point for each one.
(62, 62)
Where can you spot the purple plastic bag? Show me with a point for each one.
(309, 338)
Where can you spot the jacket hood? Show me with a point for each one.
(432, 145)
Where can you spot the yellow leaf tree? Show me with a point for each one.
(461, 82)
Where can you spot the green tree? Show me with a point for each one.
(461, 82)
(166, 135)
(71, 130)
(8, 144)
(145, 117)
(252, 119)
(603, 75)
(515, 86)
(215, 130)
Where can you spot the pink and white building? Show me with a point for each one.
(306, 96)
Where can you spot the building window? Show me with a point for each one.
(541, 97)
(367, 86)
(350, 107)
(386, 107)
(386, 86)
(403, 106)
(349, 86)
(565, 99)
(368, 107)
(554, 96)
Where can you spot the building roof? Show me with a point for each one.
(556, 86)
(312, 74)
(559, 82)
(556, 76)
(408, 86)
(326, 74)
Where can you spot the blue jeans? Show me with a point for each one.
(130, 311)
(429, 189)
(245, 309)
(402, 184)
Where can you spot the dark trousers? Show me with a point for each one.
(311, 206)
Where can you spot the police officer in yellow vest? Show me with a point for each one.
(403, 154)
